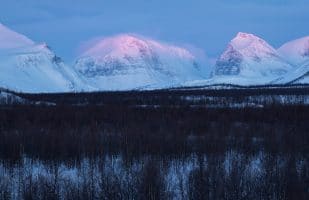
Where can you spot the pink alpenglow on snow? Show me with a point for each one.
(127, 62)
(251, 46)
(249, 60)
(296, 51)
(10, 39)
(129, 44)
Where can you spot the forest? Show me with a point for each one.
(127, 149)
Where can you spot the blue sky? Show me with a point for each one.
(204, 26)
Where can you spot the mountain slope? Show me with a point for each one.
(128, 62)
(297, 53)
(10, 39)
(29, 67)
(249, 60)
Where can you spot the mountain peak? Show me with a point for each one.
(129, 61)
(131, 45)
(249, 57)
(117, 45)
(10, 39)
(31, 67)
(244, 35)
(251, 45)
(296, 51)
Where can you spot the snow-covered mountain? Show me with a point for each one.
(10, 39)
(126, 62)
(131, 62)
(30, 67)
(249, 60)
(297, 53)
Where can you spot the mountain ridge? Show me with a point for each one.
(128, 62)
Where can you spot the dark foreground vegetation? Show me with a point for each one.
(188, 143)
(226, 96)
(162, 152)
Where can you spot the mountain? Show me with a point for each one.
(30, 67)
(126, 62)
(297, 53)
(249, 60)
(10, 39)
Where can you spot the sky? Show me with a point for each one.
(203, 26)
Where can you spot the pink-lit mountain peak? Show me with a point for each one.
(298, 44)
(296, 51)
(248, 57)
(250, 45)
(10, 39)
(134, 46)
(129, 62)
